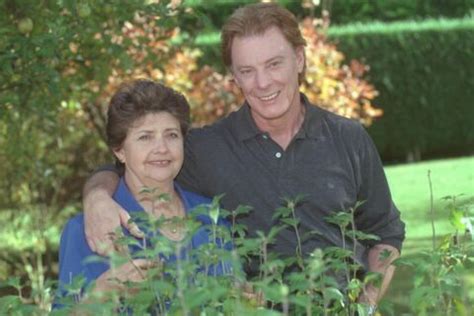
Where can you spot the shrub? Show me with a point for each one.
(423, 71)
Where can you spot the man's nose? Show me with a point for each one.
(263, 79)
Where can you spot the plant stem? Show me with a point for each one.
(432, 211)
(214, 240)
(343, 234)
(299, 251)
(180, 279)
(354, 240)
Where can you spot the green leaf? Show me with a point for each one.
(196, 297)
(341, 219)
(456, 219)
(385, 254)
(274, 231)
(13, 282)
(422, 297)
(358, 235)
(294, 222)
(9, 303)
(300, 300)
(281, 212)
(333, 294)
(242, 209)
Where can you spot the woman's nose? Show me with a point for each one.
(160, 145)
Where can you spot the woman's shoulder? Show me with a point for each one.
(190, 198)
(194, 198)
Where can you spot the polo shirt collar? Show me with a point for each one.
(245, 127)
(313, 120)
(125, 198)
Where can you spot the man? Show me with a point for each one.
(278, 145)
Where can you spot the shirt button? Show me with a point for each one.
(265, 136)
(278, 155)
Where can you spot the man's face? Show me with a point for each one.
(266, 68)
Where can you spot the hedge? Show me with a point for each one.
(424, 72)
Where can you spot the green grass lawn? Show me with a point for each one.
(411, 192)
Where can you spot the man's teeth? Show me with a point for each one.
(269, 97)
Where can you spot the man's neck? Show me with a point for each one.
(283, 130)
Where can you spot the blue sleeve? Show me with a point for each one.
(73, 250)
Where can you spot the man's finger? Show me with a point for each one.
(91, 244)
(121, 248)
(146, 264)
(106, 246)
(102, 247)
(130, 225)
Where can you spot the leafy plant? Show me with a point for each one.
(285, 286)
(440, 283)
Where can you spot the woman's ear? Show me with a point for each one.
(119, 153)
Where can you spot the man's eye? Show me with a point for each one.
(274, 64)
(173, 135)
(245, 71)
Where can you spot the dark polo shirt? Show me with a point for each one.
(331, 161)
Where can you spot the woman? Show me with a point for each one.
(146, 126)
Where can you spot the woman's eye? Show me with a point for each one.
(144, 137)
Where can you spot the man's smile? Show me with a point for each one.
(269, 97)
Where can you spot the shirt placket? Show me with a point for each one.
(276, 158)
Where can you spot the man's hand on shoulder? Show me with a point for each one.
(102, 215)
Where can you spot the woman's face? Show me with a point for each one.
(152, 151)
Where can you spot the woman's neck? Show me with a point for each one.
(152, 196)
(161, 202)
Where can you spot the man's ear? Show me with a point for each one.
(234, 79)
(300, 58)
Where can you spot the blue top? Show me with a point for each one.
(74, 248)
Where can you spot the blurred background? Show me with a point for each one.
(403, 68)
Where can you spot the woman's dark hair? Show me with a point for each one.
(138, 98)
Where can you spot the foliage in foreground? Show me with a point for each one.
(285, 286)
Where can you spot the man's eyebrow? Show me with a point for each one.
(240, 67)
(268, 61)
(276, 58)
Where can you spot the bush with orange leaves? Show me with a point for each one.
(329, 82)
